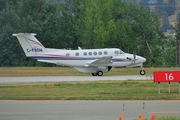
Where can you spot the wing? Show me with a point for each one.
(97, 62)
(47, 61)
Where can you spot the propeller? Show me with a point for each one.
(134, 58)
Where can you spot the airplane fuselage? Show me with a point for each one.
(80, 58)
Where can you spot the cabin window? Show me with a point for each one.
(95, 53)
(67, 54)
(105, 52)
(100, 53)
(85, 53)
(116, 52)
(90, 53)
(77, 54)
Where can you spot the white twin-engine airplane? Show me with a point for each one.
(94, 61)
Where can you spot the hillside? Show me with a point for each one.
(167, 7)
(173, 18)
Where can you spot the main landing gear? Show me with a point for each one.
(100, 70)
(98, 73)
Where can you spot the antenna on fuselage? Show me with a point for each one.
(79, 48)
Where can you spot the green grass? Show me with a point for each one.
(166, 118)
(99, 90)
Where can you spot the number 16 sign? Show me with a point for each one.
(167, 76)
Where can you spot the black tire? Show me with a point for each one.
(100, 73)
(142, 72)
(94, 74)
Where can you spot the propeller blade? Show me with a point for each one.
(134, 55)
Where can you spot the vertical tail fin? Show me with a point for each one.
(31, 46)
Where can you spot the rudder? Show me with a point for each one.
(31, 46)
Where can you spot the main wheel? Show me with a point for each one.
(142, 72)
(99, 73)
(94, 74)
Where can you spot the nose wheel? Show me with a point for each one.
(142, 72)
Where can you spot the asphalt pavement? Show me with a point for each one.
(69, 78)
(86, 110)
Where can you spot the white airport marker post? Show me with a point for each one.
(169, 87)
(159, 87)
(179, 87)
(123, 112)
(122, 117)
(143, 111)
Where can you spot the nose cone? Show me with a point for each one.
(142, 59)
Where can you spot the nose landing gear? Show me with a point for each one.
(142, 71)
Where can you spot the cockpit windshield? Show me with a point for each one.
(121, 52)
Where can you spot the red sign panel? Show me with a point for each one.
(167, 76)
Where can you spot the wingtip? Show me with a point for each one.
(14, 34)
(22, 34)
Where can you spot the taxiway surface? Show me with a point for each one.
(68, 78)
(85, 110)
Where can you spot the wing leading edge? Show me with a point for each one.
(100, 61)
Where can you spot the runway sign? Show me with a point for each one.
(167, 76)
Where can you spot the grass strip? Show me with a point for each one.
(98, 90)
(166, 118)
(68, 71)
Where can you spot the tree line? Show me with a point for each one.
(89, 24)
